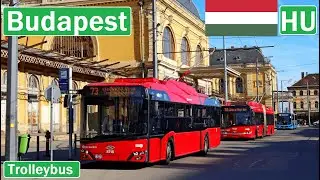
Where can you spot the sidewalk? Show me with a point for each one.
(59, 137)
(60, 152)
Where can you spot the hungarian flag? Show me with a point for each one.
(241, 17)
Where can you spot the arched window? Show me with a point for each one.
(4, 78)
(221, 85)
(33, 103)
(33, 85)
(309, 104)
(239, 85)
(316, 104)
(315, 92)
(301, 93)
(294, 105)
(301, 105)
(294, 93)
(185, 54)
(168, 43)
(77, 46)
(55, 82)
(199, 56)
(74, 85)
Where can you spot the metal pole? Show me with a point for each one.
(154, 27)
(257, 79)
(225, 71)
(51, 124)
(70, 113)
(278, 105)
(11, 151)
(272, 98)
(309, 120)
(142, 37)
(281, 98)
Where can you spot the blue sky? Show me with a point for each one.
(291, 54)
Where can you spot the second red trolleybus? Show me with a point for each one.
(146, 120)
(246, 120)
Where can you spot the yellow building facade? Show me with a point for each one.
(181, 42)
(244, 87)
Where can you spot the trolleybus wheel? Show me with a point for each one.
(206, 146)
(169, 154)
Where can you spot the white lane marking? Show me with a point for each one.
(254, 163)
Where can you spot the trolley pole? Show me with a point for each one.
(11, 150)
(154, 38)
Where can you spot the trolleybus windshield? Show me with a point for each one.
(283, 119)
(115, 114)
(235, 116)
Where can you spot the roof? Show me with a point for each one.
(312, 79)
(237, 57)
(189, 5)
(169, 90)
(53, 59)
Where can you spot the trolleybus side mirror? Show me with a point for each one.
(66, 98)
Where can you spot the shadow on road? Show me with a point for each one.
(61, 154)
(291, 159)
(308, 132)
(113, 166)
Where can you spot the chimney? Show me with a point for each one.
(232, 47)
(302, 75)
(245, 46)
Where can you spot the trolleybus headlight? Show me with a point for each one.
(82, 150)
(98, 156)
(135, 153)
(141, 153)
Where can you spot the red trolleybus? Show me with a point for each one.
(146, 120)
(270, 121)
(243, 120)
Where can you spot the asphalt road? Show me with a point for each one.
(290, 154)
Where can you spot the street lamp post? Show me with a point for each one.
(308, 104)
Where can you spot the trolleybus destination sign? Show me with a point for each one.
(234, 109)
(114, 91)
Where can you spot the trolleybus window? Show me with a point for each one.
(115, 116)
(166, 116)
(270, 119)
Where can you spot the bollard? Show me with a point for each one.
(75, 144)
(48, 135)
(38, 147)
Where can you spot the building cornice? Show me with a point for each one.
(181, 14)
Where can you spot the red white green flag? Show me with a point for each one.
(241, 17)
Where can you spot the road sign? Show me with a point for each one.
(64, 80)
(52, 93)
